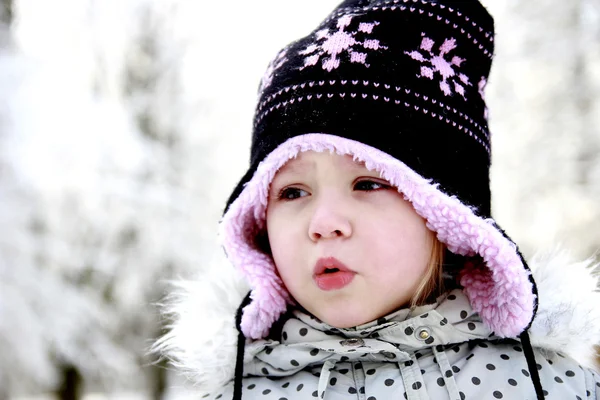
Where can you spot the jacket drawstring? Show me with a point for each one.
(328, 366)
(447, 374)
(413, 379)
(531, 365)
(241, 346)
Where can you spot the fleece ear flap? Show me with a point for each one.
(530, 276)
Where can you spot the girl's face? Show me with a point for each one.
(346, 244)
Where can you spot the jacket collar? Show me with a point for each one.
(308, 341)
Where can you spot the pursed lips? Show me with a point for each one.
(332, 274)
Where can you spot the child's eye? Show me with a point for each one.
(291, 193)
(368, 186)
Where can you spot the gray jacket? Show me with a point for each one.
(438, 351)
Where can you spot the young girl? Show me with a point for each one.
(363, 230)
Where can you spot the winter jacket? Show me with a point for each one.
(438, 351)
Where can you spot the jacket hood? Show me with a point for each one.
(202, 341)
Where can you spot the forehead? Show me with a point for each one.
(311, 160)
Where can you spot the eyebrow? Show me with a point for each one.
(289, 167)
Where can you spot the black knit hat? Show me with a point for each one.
(398, 84)
(403, 77)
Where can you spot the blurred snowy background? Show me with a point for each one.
(124, 125)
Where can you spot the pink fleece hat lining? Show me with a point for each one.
(501, 293)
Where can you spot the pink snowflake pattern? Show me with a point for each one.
(438, 63)
(330, 44)
(274, 65)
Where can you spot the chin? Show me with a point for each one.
(341, 319)
(351, 315)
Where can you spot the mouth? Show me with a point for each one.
(329, 265)
(331, 274)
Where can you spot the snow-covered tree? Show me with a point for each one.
(544, 101)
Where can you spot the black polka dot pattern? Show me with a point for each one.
(485, 368)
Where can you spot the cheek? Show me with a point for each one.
(283, 239)
(400, 239)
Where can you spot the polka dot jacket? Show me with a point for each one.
(440, 351)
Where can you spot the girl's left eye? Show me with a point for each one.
(368, 186)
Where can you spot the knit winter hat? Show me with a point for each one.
(398, 85)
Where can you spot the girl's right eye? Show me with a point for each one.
(292, 193)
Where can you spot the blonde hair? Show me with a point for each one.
(433, 281)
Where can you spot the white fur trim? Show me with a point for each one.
(202, 340)
(568, 316)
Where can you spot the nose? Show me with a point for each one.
(329, 222)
